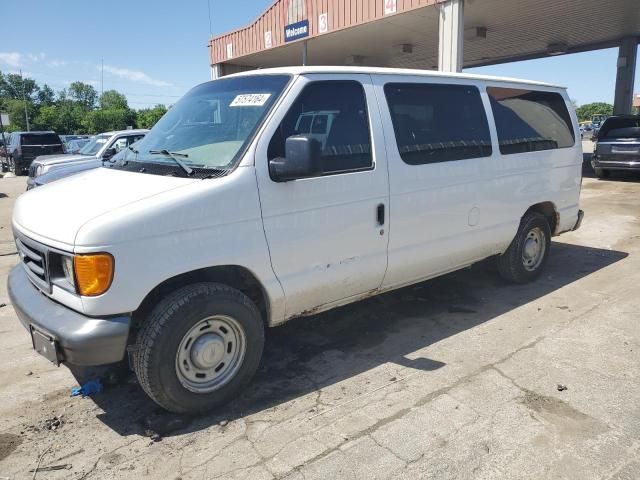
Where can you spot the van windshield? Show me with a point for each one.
(210, 126)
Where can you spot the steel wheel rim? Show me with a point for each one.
(534, 249)
(210, 353)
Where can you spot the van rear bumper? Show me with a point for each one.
(78, 339)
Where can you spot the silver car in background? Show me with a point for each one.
(101, 147)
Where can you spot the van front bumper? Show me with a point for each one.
(74, 338)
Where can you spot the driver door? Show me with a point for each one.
(328, 234)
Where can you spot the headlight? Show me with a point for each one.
(93, 273)
(61, 271)
(39, 170)
(89, 275)
(67, 269)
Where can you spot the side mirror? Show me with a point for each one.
(108, 153)
(301, 160)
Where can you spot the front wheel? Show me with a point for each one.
(528, 253)
(199, 348)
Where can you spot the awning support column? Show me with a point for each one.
(450, 42)
(216, 71)
(627, 55)
(305, 54)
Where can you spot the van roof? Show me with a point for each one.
(389, 71)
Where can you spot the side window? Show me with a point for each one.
(120, 144)
(335, 113)
(133, 139)
(438, 123)
(529, 120)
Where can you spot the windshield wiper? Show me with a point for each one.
(133, 149)
(175, 156)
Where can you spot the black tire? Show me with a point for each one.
(17, 168)
(511, 264)
(601, 172)
(154, 356)
(12, 166)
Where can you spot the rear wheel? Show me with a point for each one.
(601, 172)
(528, 253)
(12, 166)
(17, 167)
(199, 348)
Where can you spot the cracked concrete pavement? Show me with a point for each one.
(452, 378)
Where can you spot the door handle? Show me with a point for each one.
(380, 214)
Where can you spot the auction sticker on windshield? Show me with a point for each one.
(250, 100)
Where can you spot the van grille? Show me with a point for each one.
(34, 258)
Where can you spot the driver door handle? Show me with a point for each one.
(380, 214)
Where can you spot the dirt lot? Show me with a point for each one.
(453, 378)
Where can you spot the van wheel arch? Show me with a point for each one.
(234, 276)
(550, 212)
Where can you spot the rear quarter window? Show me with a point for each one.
(40, 139)
(530, 120)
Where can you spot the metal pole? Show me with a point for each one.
(24, 101)
(102, 82)
(304, 54)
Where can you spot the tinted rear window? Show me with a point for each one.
(40, 139)
(438, 123)
(529, 120)
(620, 128)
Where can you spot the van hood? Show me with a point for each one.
(54, 213)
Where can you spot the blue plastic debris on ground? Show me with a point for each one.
(89, 388)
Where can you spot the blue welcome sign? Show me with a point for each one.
(296, 31)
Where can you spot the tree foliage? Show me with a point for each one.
(113, 100)
(75, 110)
(84, 94)
(587, 111)
(147, 117)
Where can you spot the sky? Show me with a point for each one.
(154, 51)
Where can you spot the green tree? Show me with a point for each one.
(587, 111)
(84, 94)
(105, 120)
(15, 109)
(147, 117)
(46, 118)
(46, 96)
(11, 86)
(113, 100)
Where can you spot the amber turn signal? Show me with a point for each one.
(94, 273)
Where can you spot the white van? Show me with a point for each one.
(225, 219)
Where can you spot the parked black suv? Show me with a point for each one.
(25, 146)
(618, 145)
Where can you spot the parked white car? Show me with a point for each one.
(226, 220)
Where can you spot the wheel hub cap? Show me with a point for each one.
(207, 351)
(210, 353)
(534, 249)
(531, 248)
